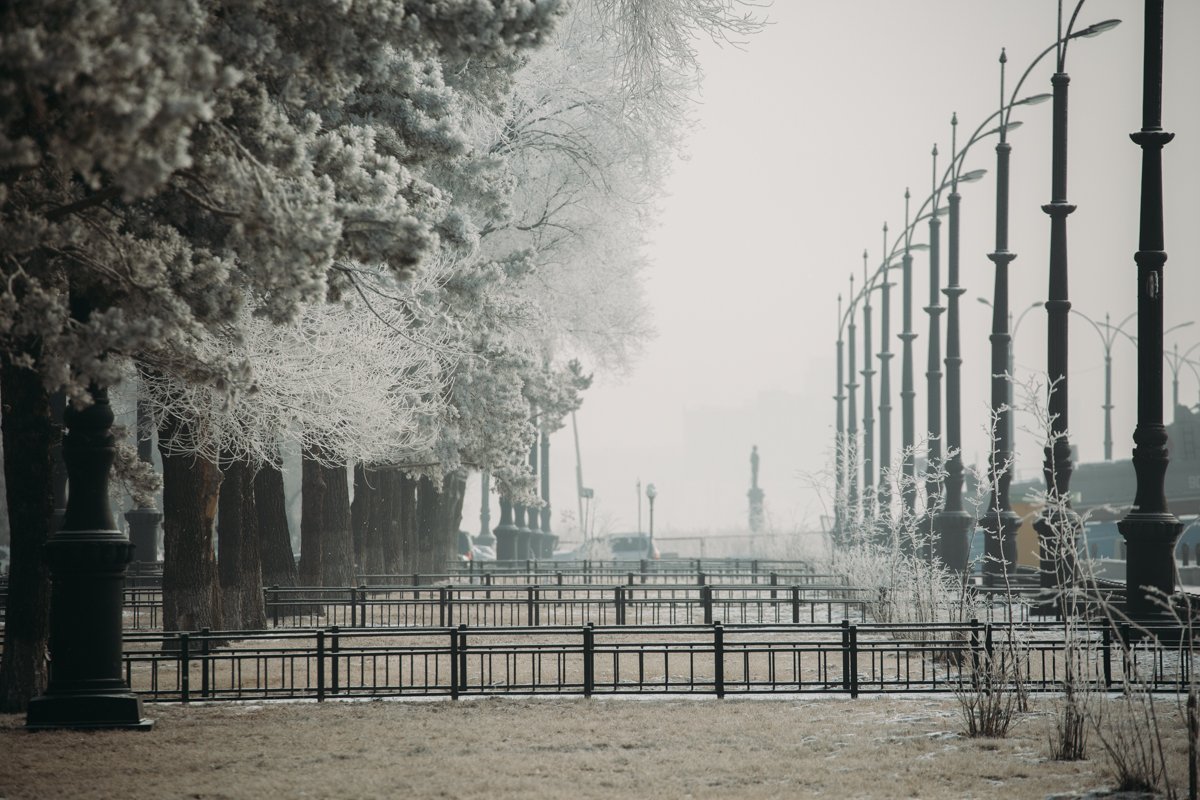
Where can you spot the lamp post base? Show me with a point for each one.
(1058, 534)
(108, 710)
(1150, 564)
(506, 543)
(999, 546)
(951, 542)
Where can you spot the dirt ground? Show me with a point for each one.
(871, 747)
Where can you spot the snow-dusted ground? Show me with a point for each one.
(781, 747)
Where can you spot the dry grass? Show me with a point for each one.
(552, 748)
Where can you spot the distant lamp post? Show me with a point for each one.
(651, 493)
(839, 441)
(1176, 361)
(1150, 529)
(1108, 335)
(851, 451)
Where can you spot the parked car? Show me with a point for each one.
(482, 552)
(632, 547)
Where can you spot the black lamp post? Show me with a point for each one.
(506, 532)
(884, 493)
(485, 537)
(1150, 529)
(868, 450)
(87, 556)
(852, 508)
(933, 372)
(839, 441)
(651, 493)
(1058, 526)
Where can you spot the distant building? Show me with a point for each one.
(1102, 492)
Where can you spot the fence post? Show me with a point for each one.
(796, 604)
(185, 668)
(619, 593)
(487, 581)
(589, 655)
(642, 567)
(846, 687)
(453, 664)
(533, 610)
(320, 666)
(719, 660)
(707, 604)
(700, 577)
(353, 607)
(774, 578)
(333, 660)
(271, 600)
(559, 579)
(974, 646)
(1106, 650)
(442, 621)
(630, 579)
(462, 657)
(204, 650)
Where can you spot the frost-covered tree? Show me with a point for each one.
(163, 166)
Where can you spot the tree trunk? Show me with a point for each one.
(29, 435)
(406, 525)
(436, 543)
(191, 489)
(390, 509)
(454, 491)
(240, 558)
(312, 505)
(337, 551)
(278, 562)
(369, 514)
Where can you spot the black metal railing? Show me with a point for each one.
(691, 659)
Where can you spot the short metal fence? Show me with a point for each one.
(692, 659)
(560, 604)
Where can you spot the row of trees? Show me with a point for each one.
(382, 232)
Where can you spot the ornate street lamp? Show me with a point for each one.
(1150, 529)
(1058, 526)
(884, 493)
(852, 509)
(868, 451)
(839, 442)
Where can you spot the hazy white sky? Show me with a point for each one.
(806, 140)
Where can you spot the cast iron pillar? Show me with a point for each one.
(953, 522)
(868, 454)
(87, 557)
(933, 378)
(884, 495)
(908, 467)
(1058, 526)
(1150, 529)
(1000, 523)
